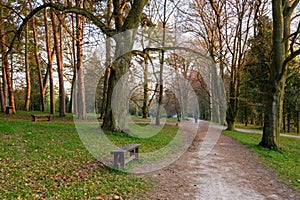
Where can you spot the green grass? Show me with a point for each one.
(286, 162)
(256, 127)
(249, 126)
(48, 160)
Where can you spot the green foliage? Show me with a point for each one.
(285, 162)
(292, 98)
(256, 72)
(48, 160)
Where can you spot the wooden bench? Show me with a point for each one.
(9, 110)
(46, 117)
(120, 157)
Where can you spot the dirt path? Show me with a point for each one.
(229, 171)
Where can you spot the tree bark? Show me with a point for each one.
(50, 61)
(108, 59)
(37, 60)
(146, 89)
(274, 100)
(162, 60)
(7, 81)
(59, 60)
(81, 106)
(124, 43)
(282, 12)
(4, 91)
(73, 101)
(27, 72)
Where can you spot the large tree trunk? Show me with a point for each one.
(278, 73)
(117, 105)
(59, 59)
(124, 42)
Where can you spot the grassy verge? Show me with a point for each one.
(249, 126)
(48, 160)
(256, 127)
(285, 162)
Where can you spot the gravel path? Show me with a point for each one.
(229, 171)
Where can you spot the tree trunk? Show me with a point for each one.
(59, 59)
(271, 129)
(162, 60)
(4, 90)
(7, 81)
(27, 72)
(274, 101)
(73, 101)
(1, 98)
(38, 65)
(161, 86)
(298, 121)
(50, 60)
(81, 106)
(282, 12)
(108, 45)
(114, 120)
(124, 43)
(105, 89)
(146, 88)
(233, 103)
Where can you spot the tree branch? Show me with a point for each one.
(290, 58)
(66, 9)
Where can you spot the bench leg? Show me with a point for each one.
(119, 160)
(135, 153)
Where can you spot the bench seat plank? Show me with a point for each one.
(37, 117)
(119, 155)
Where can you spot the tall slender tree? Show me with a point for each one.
(37, 60)
(81, 106)
(4, 90)
(27, 72)
(56, 28)
(50, 61)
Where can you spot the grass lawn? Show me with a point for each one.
(48, 160)
(256, 127)
(250, 126)
(286, 163)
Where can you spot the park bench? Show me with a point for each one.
(121, 158)
(46, 117)
(9, 110)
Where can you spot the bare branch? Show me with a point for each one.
(66, 9)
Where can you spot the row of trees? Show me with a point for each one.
(257, 50)
(256, 55)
